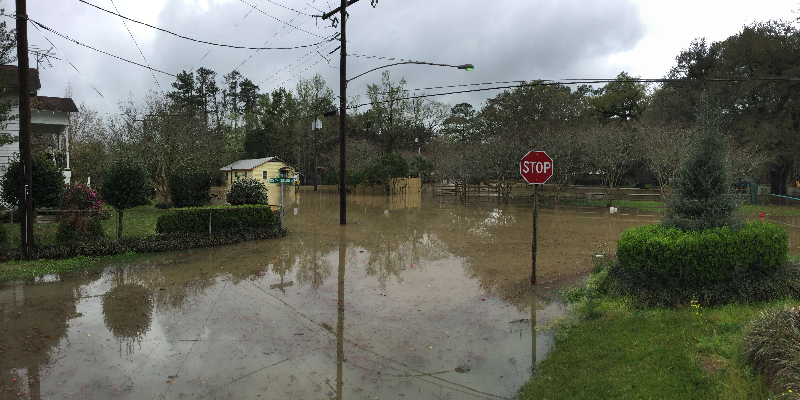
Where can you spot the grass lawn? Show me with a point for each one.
(693, 353)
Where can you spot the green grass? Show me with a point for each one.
(29, 269)
(693, 353)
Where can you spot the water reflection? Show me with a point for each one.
(428, 300)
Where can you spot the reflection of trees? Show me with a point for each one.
(34, 320)
(312, 267)
(392, 251)
(127, 312)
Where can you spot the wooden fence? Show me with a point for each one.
(573, 192)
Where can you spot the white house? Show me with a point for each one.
(49, 115)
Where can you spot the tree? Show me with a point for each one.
(623, 100)
(389, 103)
(190, 188)
(386, 167)
(88, 145)
(126, 185)
(664, 149)
(48, 183)
(459, 125)
(611, 151)
(702, 184)
(8, 55)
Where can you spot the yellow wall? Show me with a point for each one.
(272, 170)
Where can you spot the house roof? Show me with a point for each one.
(249, 164)
(53, 104)
(9, 77)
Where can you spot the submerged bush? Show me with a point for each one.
(698, 258)
(245, 191)
(772, 347)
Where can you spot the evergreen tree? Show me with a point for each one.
(703, 182)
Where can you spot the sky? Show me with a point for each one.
(506, 40)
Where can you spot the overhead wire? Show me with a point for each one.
(289, 8)
(137, 47)
(220, 41)
(204, 41)
(73, 66)
(283, 22)
(95, 49)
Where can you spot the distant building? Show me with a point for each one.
(49, 115)
(259, 168)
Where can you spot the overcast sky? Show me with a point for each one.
(505, 40)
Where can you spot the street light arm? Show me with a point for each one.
(467, 67)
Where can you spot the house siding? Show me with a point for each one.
(272, 169)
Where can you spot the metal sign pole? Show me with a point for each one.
(281, 204)
(535, 224)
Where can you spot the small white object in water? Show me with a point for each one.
(612, 209)
(385, 212)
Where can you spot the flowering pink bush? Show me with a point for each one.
(81, 197)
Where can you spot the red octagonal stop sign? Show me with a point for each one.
(536, 167)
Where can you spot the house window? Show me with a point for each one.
(264, 175)
(245, 174)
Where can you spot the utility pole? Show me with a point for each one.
(316, 150)
(25, 172)
(342, 107)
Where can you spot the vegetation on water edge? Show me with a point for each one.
(18, 269)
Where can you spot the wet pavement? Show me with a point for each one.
(417, 297)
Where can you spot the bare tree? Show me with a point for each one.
(612, 149)
(664, 148)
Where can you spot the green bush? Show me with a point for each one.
(190, 188)
(223, 219)
(700, 257)
(772, 347)
(245, 191)
(744, 287)
(48, 183)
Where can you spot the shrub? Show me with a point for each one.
(48, 183)
(386, 167)
(772, 347)
(245, 191)
(422, 168)
(80, 220)
(126, 185)
(692, 258)
(223, 219)
(190, 188)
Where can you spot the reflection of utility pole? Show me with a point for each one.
(340, 312)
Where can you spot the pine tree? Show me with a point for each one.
(700, 200)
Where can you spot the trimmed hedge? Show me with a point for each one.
(145, 244)
(223, 219)
(697, 258)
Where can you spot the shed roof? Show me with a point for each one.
(9, 77)
(249, 164)
(53, 104)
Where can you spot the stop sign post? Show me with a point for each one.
(536, 168)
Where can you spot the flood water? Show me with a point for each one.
(416, 297)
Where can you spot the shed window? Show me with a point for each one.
(264, 175)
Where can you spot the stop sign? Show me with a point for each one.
(536, 167)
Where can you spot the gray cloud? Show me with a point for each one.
(505, 39)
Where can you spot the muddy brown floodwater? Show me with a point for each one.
(416, 297)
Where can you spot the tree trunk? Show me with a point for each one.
(777, 179)
(119, 224)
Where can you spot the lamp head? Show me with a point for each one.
(468, 67)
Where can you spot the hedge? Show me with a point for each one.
(697, 258)
(145, 244)
(223, 219)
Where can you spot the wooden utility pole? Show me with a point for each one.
(25, 172)
(342, 107)
(342, 118)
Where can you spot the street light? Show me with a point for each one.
(466, 67)
(343, 115)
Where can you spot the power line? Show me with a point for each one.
(220, 41)
(571, 81)
(137, 47)
(73, 65)
(272, 37)
(203, 41)
(271, 77)
(276, 19)
(289, 8)
(97, 50)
